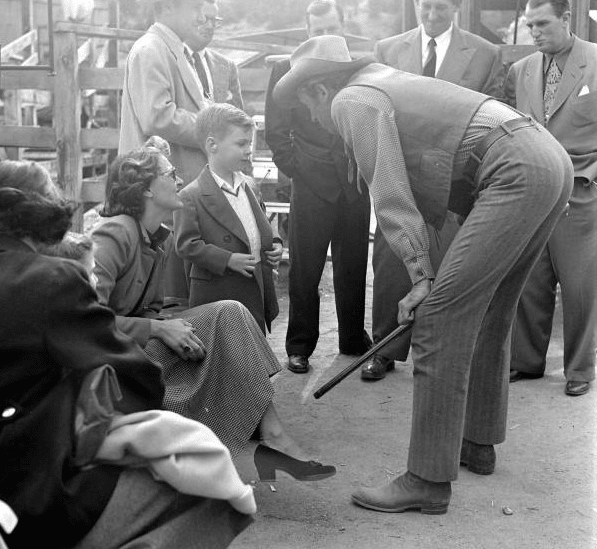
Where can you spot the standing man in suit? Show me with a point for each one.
(558, 87)
(456, 56)
(426, 147)
(162, 95)
(325, 208)
(218, 73)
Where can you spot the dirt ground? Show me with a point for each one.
(545, 474)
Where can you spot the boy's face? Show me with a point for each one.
(233, 151)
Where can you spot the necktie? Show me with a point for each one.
(429, 68)
(552, 79)
(200, 68)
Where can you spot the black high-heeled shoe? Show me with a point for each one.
(267, 460)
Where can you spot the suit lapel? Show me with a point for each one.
(184, 68)
(217, 204)
(457, 59)
(413, 55)
(570, 77)
(533, 84)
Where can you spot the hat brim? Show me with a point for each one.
(285, 91)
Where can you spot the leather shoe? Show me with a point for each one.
(478, 458)
(516, 375)
(576, 388)
(375, 368)
(298, 364)
(405, 492)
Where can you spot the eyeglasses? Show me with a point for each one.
(215, 22)
(170, 173)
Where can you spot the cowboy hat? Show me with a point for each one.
(318, 56)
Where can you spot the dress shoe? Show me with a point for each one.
(516, 375)
(267, 460)
(576, 388)
(298, 364)
(478, 458)
(375, 368)
(405, 492)
(359, 348)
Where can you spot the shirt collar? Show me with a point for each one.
(239, 180)
(442, 39)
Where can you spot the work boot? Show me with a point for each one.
(405, 492)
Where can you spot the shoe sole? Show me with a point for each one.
(576, 394)
(424, 508)
(301, 479)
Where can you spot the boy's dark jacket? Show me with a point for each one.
(208, 231)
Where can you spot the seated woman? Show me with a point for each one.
(215, 360)
(53, 332)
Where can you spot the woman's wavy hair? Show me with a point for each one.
(30, 203)
(129, 176)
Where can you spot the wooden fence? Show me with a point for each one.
(69, 79)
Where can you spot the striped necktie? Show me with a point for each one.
(552, 79)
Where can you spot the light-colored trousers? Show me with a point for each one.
(461, 335)
(570, 259)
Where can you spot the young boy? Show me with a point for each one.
(222, 229)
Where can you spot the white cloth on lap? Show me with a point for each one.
(179, 451)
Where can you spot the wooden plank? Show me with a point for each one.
(99, 138)
(85, 50)
(93, 189)
(67, 119)
(27, 136)
(256, 46)
(254, 80)
(33, 59)
(97, 32)
(101, 79)
(26, 80)
(14, 48)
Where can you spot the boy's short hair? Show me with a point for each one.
(216, 120)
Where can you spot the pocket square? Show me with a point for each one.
(584, 90)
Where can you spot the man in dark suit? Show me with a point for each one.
(325, 208)
(478, 158)
(558, 87)
(458, 57)
(218, 73)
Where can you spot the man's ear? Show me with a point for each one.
(211, 145)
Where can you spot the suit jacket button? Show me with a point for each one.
(227, 238)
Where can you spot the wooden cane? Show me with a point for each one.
(354, 365)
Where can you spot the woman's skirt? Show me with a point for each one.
(229, 390)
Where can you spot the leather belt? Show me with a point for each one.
(505, 128)
(463, 192)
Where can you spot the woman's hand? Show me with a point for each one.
(179, 336)
(407, 305)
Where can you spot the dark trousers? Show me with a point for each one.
(315, 223)
(570, 259)
(391, 283)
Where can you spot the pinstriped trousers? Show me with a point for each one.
(461, 336)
